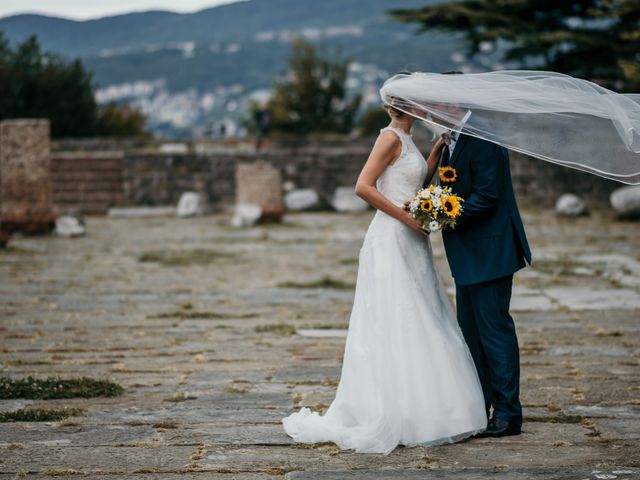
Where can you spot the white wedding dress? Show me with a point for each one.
(407, 375)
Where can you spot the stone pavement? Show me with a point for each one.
(218, 333)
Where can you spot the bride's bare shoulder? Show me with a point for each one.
(388, 146)
(388, 139)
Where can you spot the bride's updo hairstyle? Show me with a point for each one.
(393, 111)
(390, 108)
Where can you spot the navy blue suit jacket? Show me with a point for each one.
(489, 240)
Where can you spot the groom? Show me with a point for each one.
(487, 246)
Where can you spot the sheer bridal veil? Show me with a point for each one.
(548, 115)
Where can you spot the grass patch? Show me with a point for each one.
(12, 249)
(561, 443)
(198, 452)
(55, 387)
(349, 261)
(69, 422)
(326, 326)
(28, 362)
(554, 407)
(62, 473)
(281, 328)
(428, 463)
(531, 348)
(180, 396)
(325, 282)
(166, 425)
(234, 389)
(191, 315)
(178, 258)
(601, 332)
(567, 267)
(277, 224)
(327, 447)
(564, 419)
(39, 415)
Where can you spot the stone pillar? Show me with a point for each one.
(25, 187)
(260, 184)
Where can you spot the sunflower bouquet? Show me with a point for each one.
(437, 207)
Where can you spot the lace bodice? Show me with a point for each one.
(404, 177)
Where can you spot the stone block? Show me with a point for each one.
(191, 204)
(626, 202)
(301, 199)
(69, 226)
(346, 200)
(246, 215)
(570, 205)
(25, 186)
(260, 184)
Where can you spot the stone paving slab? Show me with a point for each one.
(213, 354)
(183, 475)
(620, 473)
(32, 433)
(142, 458)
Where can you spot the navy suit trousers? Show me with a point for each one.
(488, 329)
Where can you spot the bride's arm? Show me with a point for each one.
(434, 158)
(384, 151)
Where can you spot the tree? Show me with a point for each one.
(372, 120)
(38, 84)
(117, 120)
(313, 97)
(592, 39)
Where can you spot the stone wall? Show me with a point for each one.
(155, 179)
(160, 179)
(87, 182)
(538, 182)
(150, 177)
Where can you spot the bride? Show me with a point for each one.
(407, 375)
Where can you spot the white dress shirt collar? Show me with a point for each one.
(454, 134)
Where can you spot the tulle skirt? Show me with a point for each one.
(407, 375)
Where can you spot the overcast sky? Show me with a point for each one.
(83, 9)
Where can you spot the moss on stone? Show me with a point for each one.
(178, 258)
(39, 414)
(281, 328)
(325, 282)
(191, 315)
(56, 387)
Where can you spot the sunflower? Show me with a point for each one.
(426, 205)
(448, 174)
(451, 206)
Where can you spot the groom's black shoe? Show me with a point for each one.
(498, 427)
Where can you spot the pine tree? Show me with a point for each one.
(593, 39)
(36, 84)
(312, 97)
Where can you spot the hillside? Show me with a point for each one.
(245, 42)
(239, 46)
